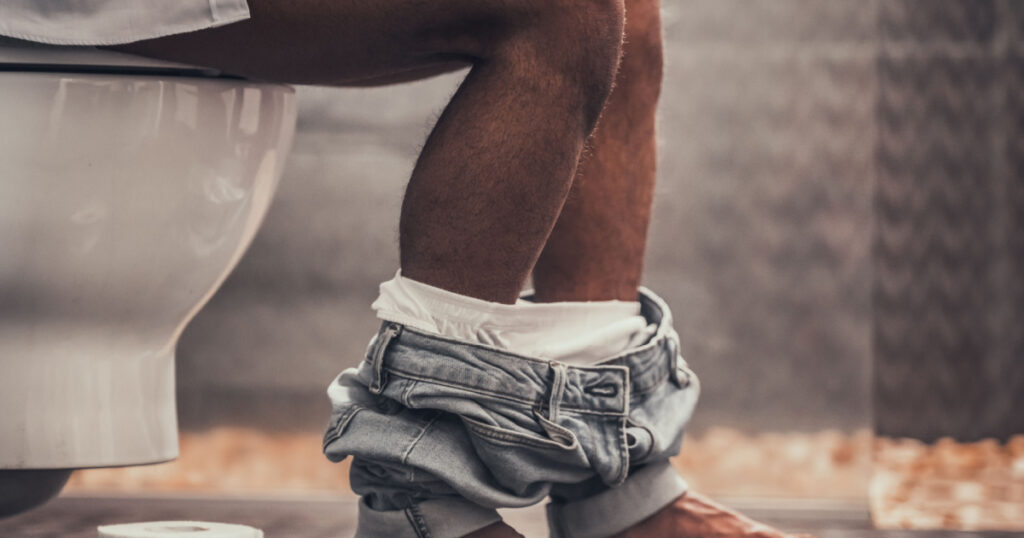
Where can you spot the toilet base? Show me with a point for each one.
(84, 397)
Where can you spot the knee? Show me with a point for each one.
(589, 45)
(573, 47)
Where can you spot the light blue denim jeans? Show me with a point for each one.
(443, 432)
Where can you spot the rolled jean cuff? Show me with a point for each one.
(644, 493)
(441, 518)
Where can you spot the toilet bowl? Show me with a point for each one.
(129, 189)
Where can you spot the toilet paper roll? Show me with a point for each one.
(178, 529)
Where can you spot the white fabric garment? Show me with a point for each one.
(113, 22)
(572, 332)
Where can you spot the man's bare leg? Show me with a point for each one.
(597, 247)
(495, 171)
(596, 250)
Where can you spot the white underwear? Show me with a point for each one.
(571, 332)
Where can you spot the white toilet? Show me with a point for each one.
(129, 189)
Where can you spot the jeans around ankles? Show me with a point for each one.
(442, 432)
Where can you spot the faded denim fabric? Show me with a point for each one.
(442, 432)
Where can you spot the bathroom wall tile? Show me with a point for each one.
(747, 23)
(938, 22)
(1008, 326)
(948, 305)
(933, 205)
(761, 232)
(1012, 14)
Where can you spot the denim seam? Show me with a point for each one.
(446, 383)
(513, 438)
(500, 396)
(644, 387)
(623, 455)
(653, 386)
(405, 456)
(495, 350)
(623, 446)
(649, 363)
(407, 391)
(545, 423)
(341, 424)
(387, 334)
(419, 525)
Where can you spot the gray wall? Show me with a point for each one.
(760, 242)
(761, 232)
(949, 292)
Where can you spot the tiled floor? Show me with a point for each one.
(78, 517)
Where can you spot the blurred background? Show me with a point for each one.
(839, 229)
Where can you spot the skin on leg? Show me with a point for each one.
(597, 247)
(495, 170)
(479, 230)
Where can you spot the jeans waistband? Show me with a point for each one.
(603, 388)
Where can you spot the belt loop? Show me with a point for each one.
(557, 390)
(676, 365)
(389, 332)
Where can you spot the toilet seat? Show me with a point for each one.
(19, 55)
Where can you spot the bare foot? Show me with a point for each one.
(495, 530)
(697, 516)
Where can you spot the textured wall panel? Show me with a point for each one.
(947, 305)
(761, 238)
(939, 22)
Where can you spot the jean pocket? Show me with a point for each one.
(526, 461)
(490, 417)
(556, 438)
(521, 448)
(349, 397)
